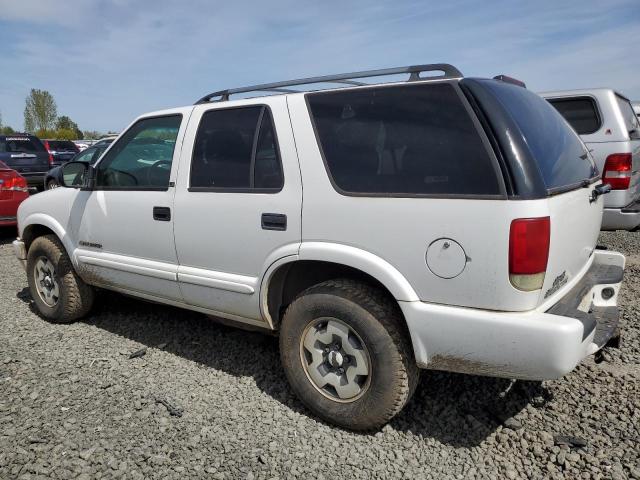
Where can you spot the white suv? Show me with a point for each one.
(442, 222)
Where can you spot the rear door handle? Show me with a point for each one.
(274, 221)
(162, 214)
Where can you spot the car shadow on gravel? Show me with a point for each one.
(459, 410)
(8, 235)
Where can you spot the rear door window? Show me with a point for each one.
(402, 140)
(560, 155)
(581, 113)
(628, 115)
(236, 150)
(21, 145)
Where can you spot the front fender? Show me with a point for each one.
(42, 219)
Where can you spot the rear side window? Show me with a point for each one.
(21, 145)
(581, 113)
(559, 153)
(402, 140)
(236, 149)
(628, 115)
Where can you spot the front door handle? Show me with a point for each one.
(162, 214)
(274, 221)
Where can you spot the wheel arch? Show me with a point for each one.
(38, 224)
(317, 262)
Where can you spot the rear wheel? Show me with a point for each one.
(58, 292)
(347, 355)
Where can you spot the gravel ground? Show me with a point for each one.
(74, 405)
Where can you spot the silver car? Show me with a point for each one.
(607, 123)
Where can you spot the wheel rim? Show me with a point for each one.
(46, 281)
(53, 184)
(335, 359)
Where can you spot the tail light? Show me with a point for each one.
(46, 145)
(617, 171)
(16, 183)
(529, 252)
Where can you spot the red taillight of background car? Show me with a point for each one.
(46, 145)
(529, 240)
(17, 183)
(617, 171)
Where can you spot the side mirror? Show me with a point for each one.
(74, 174)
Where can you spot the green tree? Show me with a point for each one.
(91, 135)
(40, 111)
(65, 123)
(7, 130)
(66, 134)
(45, 133)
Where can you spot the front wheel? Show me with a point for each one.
(51, 184)
(347, 355)
(59, 293)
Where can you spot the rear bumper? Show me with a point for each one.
(534, 345)
(625, 218)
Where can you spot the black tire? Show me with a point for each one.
(378, 322)
(51, 184)
(75, 297)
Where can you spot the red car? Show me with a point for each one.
(13, 190)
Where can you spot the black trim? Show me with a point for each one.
(414, 70)
(528, 183)
(233, 190)
(476, 124)
(593, 100)
(162, 214)
(273, 221)
(568, 305)
(265, 108)
(493, 140)
(633, 207)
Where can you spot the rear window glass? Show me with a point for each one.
(581, 113)
(414, 139)
(629, 116)
(21, 145)
(62, 146)
(558, 151)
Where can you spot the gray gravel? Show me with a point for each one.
(208, 401)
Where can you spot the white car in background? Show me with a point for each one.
(609, 127)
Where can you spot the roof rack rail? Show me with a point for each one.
(347, 78)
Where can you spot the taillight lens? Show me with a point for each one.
(15, 184)
(529, 252)
(617, 171)
(46, 145)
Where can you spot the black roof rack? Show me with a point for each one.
(414, 71)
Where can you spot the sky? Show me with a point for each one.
(108, 61)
